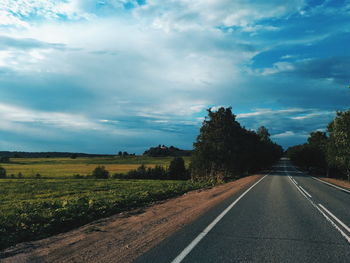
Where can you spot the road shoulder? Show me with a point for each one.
(337, 182)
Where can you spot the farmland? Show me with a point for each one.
(36, 208)
(67, 167)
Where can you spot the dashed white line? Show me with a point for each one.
(192, 245)
(305, 191)
(335, 218)
(327, 218)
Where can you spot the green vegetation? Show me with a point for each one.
(224, 149)
(33, 209)
(326, 153)
(82, 166)
(176, 171)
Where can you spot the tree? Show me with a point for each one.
(224, 149)
(339, 141)
(263, 134)
(177, 169)
(100, 172)
(217, 145)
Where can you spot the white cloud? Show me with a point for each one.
(196, 14)
(288, 134)
(260, 112)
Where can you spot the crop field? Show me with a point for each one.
(67, 167)
(36, 208)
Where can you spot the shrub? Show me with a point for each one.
(2, 172)
(177, 169)
(100, 172)
(4, 159)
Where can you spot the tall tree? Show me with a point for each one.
(339, 134)
(217, 144)
(225, 149)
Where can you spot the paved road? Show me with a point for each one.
(286, 217)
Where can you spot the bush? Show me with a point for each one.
(177, 169)
(2, 172)
(100, 172)
(4, 159)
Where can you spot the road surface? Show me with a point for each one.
(285, 217)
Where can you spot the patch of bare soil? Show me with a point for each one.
(125, 236)
(341, 183)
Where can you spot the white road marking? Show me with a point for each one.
(192, 245)
(340, 188)
(298, 188)
(319, 209)
(305, 192)
(335, 218)
(294, 180)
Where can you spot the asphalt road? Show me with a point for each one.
(286, 217)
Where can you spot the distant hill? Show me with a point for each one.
(47, 154)
(162, 150)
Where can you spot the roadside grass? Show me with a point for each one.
(33, 209)
(67, 167)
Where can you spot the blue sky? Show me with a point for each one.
(109, 75)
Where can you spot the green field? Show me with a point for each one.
(67, 167)
(36, 208)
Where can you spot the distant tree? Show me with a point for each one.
(100, 172)
(120, 154)
(162, 151)
(2, 172)
(125, 154)
(74, 156)
(317, 142)
(177, 169)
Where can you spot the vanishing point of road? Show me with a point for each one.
(284, 217)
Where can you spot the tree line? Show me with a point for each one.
(326, 153)
(224, 149)
(176, 171)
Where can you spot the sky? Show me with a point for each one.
(102, 76)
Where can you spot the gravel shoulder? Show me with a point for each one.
(125, 236)
(341, 183)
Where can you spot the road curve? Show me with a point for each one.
(286, 217)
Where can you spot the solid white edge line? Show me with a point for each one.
(335, 186)
(189, 248)
(327, 218)
(305, 191)
(335, 218)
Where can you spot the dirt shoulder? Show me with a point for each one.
(341, 183)
(125, 236)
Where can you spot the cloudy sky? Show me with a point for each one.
(101, 76)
